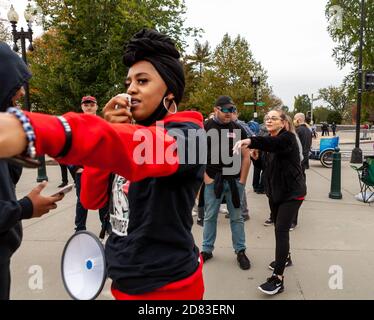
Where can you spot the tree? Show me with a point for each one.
(200, 57)
(4, 33)
(229, 74)
(320, 114)
(194, 65)
(302, 104)
(337, 99)
(167, 16)
(346, 35)
(89, 36)
(334, 116)
(49, 89)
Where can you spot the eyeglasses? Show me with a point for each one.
(267, 118)
(227, 109)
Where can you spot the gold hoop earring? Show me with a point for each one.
(168, 109)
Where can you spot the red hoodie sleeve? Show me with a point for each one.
(132, 151)
(94, 188)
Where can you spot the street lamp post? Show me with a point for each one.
(256, 80)
(22, 35)
(311, 108)
(356, 156)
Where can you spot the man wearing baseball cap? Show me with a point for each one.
(221, 133)
(89, 105)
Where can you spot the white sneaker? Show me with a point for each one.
(223, 209)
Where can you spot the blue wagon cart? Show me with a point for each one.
(324, 153)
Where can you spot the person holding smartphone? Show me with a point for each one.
(13, 74)
(151, 253)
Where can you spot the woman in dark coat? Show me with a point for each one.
(284, 185)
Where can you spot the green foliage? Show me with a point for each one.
(88, 38)
(81, 53)
(334, 116)
(302, 104)
(320, 114)
(347, 36)
(200, 57)
(227, 73)
(194, 65)
(337, 99)
(346, 51)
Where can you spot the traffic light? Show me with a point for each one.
(369, 81)
(258, 95)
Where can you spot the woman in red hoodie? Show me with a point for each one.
(151, 253)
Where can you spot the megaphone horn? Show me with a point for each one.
(83, 266)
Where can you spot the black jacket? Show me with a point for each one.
(283, 176)
(13, 74)
(305, 136)
(11, 211)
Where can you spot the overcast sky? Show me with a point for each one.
(288, 37)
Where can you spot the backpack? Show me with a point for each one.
(254, 126)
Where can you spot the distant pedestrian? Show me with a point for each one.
(325, 129)
(333, 128)
(314, 131)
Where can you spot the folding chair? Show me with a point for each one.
(366, 179)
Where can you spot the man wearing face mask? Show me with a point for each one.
(13, 75)
(221, 132)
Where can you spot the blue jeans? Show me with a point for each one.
(211, 208)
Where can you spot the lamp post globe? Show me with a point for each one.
(13, 16)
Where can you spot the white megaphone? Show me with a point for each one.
(83, 266)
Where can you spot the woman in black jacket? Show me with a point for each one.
(284, 185)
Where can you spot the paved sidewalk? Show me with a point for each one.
(330, 233)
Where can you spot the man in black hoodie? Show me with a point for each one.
(13, 75)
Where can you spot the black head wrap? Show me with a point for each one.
(13, 75)
(160, 51)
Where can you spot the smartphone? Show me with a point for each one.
(64, 190)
